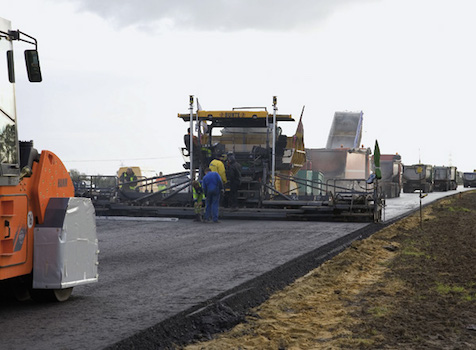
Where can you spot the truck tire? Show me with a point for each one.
(51, 295)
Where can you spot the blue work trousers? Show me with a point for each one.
(212, 200)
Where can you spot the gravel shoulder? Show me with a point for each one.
(411, 285)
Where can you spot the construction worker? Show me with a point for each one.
(218, 166)
(212, 187)
(198, 200)
(127, 178)
(161, 182)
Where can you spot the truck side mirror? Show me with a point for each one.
(11, 66)
(33, 66)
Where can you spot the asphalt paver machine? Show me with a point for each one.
(247, 134)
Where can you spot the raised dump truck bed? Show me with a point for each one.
(346, 130)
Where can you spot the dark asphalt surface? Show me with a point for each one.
(152, 270)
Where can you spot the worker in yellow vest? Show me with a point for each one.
(129, 180)
(198, 200)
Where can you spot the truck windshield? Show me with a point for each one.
(8, 133)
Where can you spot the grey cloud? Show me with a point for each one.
(222, 15)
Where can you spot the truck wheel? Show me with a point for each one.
(17, 288)
(48, 295)
(61, 294)
(22, 296)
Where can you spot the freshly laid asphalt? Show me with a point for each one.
(151, 270)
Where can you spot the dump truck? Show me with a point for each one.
(345, 164)
(445, 178)
(48, 241)
(340, 163)
(459, 178)
(392, 181)
(469, 179)
(343, 157)
(417, 177)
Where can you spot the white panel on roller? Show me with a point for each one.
(66, 245)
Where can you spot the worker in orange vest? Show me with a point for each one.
(161, 182)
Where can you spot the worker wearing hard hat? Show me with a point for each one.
(218, 166)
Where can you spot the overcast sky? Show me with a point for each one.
(117, 72)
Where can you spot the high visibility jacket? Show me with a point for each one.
(198, 195)
(161, 183)
(206, 151)
(218, 167)
(127, 178)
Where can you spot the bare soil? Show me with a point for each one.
(411, 285)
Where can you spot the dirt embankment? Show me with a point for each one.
(406, 287)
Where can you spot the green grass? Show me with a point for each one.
(411, 251)
(469, 297)
(379, 311)
(452, 209)
(447, 289)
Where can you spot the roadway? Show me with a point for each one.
(152, 270)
